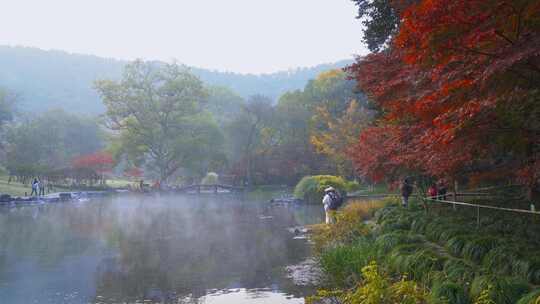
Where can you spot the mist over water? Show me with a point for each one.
(168, 249)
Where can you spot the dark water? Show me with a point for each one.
(152, 250)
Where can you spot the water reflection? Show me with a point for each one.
(165, 250)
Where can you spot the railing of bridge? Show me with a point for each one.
(213, 188)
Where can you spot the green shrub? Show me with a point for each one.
(531, 298)
(504, 290)
(448, 292)
(352, 186)
(311, 188)
(211, 178)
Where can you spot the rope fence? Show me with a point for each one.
(478, 207)
(476, 193)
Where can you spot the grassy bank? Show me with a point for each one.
(411, 256)
(14, 188)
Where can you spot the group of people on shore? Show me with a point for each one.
(435, 191)
(332, 199)
(39, 187)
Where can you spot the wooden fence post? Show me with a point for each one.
(477, 217)
(456, 189)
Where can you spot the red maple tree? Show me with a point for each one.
(100, 162)
(134, 173)
(459, 92)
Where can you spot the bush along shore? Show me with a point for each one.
(380, 252)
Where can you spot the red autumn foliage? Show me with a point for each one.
(459, 89)
(100, 162)
(134, 172)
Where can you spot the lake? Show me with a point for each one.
(153, 249)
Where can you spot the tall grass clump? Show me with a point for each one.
(386, 242)
(448, 292)
(530, 298)
(343, 263)
(458, 270)
(311, 188)
(456, 244)
(476, 249)
(501, 260)
(503, 290)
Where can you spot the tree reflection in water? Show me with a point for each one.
(161, 249)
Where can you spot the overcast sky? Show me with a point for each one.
(255, 36)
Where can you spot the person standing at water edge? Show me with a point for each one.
(406, 190)
(35, 187)
(42, 187)
(331, 202)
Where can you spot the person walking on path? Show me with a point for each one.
(406, 191)
(35, 187)
(441, 190)
(432, 191)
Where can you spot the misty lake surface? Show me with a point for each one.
(153, 249)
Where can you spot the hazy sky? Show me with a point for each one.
(235, 35)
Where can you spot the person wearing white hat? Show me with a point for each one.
(327, 201)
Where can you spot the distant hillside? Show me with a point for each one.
(56, 79)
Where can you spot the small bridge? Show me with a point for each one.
(210, 189)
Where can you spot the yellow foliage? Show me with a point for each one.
(377, 289)
(338, 134)
(484, 297)
(350, 223)
(327, 78)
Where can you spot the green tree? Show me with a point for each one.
(36, 144)
(245, 133)
(380, 19)
(158, 111)
(224, 104)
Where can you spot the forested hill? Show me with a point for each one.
(56, 79)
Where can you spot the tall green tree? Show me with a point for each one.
(158, 111)
(245, 133)
(224, 104)
(7, 109)
(37, 144)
